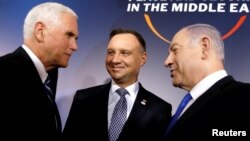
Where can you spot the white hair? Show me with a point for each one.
(197, 30)
(45, 12)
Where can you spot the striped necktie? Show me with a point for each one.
(51, 97)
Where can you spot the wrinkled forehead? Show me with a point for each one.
(179, 38)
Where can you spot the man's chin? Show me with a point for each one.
(63, 65)
(175, 84)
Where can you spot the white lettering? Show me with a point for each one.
(133, 7)
(155, 7)
(200, 7)
(244, 8)
(216, 132)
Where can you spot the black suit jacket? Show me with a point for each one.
(223, 107)
(26, 111)
(88, 117)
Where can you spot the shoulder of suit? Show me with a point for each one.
(91, 91)
(154, 98)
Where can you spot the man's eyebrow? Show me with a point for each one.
(71, 34)
(172, 46)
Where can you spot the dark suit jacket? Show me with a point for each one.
(26, 111)
(225, 106)
(88, 117)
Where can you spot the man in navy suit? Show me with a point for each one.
(29, 113)
(92, 108)
(220, 105)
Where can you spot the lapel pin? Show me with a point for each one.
(143, 102)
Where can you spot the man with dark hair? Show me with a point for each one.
(122, 109)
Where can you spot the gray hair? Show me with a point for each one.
(197, 30)
(45, 12)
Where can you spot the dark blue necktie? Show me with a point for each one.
(182, 105)
(51, 97)
(49, 91)
(119, 116)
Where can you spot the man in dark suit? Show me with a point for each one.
(220, 105)
(30, 111)
(93, 109)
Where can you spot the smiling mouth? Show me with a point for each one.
(117, 68)
(172, 72)
(68, 54)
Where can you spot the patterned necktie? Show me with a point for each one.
(48, 89)
(51, 97)
(119, 116)
(182, 105)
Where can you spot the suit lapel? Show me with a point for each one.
(29, 67)
(205, 98)
(139, 109)
(31, 70)
(102, 114)
(53, 75)
(140, 106)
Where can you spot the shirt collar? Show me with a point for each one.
(206, 83)
(38, 64)
(132, 89)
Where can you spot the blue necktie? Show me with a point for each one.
(119, 116)
(51, 97)
(182, 105)
(49, 92)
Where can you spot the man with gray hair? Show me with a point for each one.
(29, 74)
(216, 104)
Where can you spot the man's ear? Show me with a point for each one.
(39, 30)
(206, 46)
(144, 58)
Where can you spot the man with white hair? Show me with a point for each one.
(218, 104)
(29, 74)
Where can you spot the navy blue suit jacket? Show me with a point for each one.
(88, 117)
(26, 111)
(223, 107)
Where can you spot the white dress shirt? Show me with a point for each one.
(204, 85)
(38, 64)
